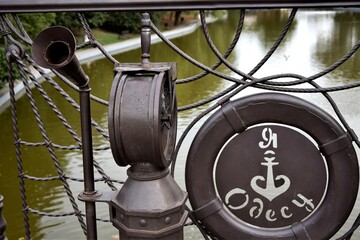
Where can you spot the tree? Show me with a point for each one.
(127, 21)
(69, 20)
(33, 24)
(114, 21)
(177, 18)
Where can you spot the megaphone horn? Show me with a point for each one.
(54, 48)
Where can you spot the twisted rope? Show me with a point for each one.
(66, 124)
(15, 125)
(46, 138)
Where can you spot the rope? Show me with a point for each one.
(66, 124)
(19, 161)
(226, 54)
(45, 136)
(228, 90)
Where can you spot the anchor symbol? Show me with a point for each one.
(270, 191)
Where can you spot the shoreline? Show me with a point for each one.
(93, 54)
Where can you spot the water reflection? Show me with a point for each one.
(343, 37)
(267, 25)
(306, 50)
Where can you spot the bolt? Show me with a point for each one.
(167, 220)
(143, 222)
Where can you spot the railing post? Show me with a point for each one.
(2, 221)
(142, 131)
(150, 205)
(46, 49)
(88, 166)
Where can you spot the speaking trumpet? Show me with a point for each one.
(54, 48)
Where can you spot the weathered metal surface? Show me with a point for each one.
(2, 220)
(54, 48)
(276, 179)
(142, 208)
(7, 6)
(150, 205)
(241, 184)
(142, 114)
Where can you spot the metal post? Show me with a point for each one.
(88, 166)
(150, 205)
(2, 221)
(46, 49)
(142, 131)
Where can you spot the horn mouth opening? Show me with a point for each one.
(54, 47)
(58, 53)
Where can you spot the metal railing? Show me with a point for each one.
(15, 38)
(8, 6)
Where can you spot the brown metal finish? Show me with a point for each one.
(235, 119)
(10, 6)
(2, 220)
(142, 123)
(279, 174)
(54, 48)
(88, 161)
(149, 206)
(142, 130)
(142, 114)
(267, 166)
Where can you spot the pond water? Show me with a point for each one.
(316, 40)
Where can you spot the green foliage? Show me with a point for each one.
(3, 67)
(105, 37)
(33, 23)
(116, 22)
(119, 22)
(96, 19)
(122, 21)
(69, 20)
(217, 13)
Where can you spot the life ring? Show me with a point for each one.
(237, 117)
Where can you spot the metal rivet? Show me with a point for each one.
(167, 220)
(143, 222)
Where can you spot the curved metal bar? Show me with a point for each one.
(226, 54)
(257, 80)
(15, 31)
(234, 69)
(148, 5)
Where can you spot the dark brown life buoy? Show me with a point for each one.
(226, 134)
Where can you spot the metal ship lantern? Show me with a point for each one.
(142, 130)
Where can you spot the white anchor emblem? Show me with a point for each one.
(270, 191)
